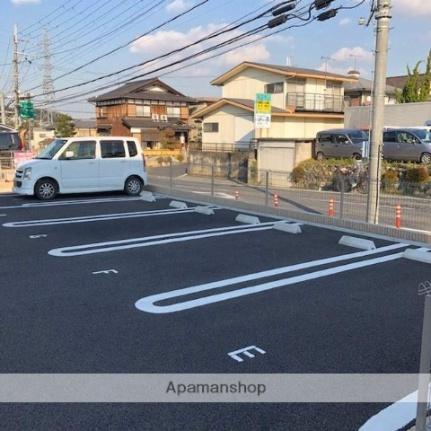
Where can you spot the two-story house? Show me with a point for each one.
(303, 102)
(149, 110)
(360, 92)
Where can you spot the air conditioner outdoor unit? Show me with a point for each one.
(163, 117)
(155, 117)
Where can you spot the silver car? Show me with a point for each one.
(407, 145)
(341, 143)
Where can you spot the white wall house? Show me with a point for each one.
(304, 101)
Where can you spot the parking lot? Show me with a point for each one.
(110, 284)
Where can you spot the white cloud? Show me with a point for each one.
(418, 8)
(177, 6)
(343, 70)
(20, 2)
(345, 59)
(345, 22)
(347, 54)
(256, 52)
(165, 41)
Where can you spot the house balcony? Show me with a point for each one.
(315, 102)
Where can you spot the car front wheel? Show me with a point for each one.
(46, 189)
(133, 186)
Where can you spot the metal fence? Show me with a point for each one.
(403, 205)
(7, 167)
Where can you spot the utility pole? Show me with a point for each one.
(2, 109)
(46, 119)
(16, 75)
(383, 18)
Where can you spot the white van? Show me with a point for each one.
(84, 164)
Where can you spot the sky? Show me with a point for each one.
(81, 30)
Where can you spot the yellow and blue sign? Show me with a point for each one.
(262, 111)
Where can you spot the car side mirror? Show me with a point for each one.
(69, 154)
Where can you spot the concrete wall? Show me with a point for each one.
(400, 115)
(280, 157)
(225, 164)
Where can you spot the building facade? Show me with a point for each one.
(303, 102)
(148, 110)
(360, 92)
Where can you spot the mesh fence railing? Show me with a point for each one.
(7, 167)
(403, 204)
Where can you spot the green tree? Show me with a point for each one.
(417, 86)
(64, 126)
(426, 80)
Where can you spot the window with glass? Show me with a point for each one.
(325, 139)
(173, 111)
(274, 88)
(81, 150)
(143, 111)
(112, 149)
(406, 138)
(389, 137)
(210, 127)
(131, 146)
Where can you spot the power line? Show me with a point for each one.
(129, 42)
(175, 51)
(41, 22)
(200, 53)
(228, 42)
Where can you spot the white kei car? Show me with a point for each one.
(84, 164)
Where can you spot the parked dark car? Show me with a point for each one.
(407, 145)
(340, 143)
(9, 139)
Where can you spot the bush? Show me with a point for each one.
(317, 174)
(417, 175)
(160, 160)
(180, 158)
(391, 176)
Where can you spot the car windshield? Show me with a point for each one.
(423, 135)
(358, 136)
(52, 149)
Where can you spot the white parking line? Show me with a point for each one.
(105, 271)
(103, 247)
(72, 202)
(97, 217)
(148, 303)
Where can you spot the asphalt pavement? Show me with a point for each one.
(61, 313)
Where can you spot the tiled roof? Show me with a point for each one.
(137, 90)
(363, 84)
(145, 123)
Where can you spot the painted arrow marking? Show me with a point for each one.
(148, 303)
